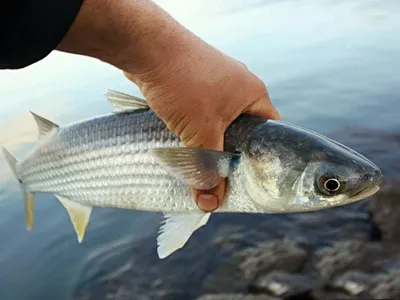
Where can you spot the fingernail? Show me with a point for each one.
(207, 202)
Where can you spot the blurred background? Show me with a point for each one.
(330, 65)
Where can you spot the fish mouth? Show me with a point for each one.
(365, 193)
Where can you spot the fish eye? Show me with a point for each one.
(332, 185)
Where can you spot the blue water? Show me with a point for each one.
(329, 65)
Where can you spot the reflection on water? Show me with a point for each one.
(329, 65)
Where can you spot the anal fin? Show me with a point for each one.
(79, 215)
(177, 229)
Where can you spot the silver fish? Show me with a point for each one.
(130, 160)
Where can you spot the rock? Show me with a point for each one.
(342, 256)
(384, 210)
(226, 278)
(284, 285)
(352, 283)
(323, 294)
(236, 297)
(228, 237)
(273, 255)
(387, 286)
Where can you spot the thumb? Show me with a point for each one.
(210, 200)
(264, 107)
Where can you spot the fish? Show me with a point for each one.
(129, 159)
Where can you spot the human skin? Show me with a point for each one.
(194, 88)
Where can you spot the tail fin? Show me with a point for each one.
(28, 197)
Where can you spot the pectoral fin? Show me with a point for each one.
(177, 229)
(79, 215)
(201, 169)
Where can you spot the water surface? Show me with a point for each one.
(329, 65)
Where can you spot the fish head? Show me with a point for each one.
(291, 169)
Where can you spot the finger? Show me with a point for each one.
(265, 108)
(210, 200)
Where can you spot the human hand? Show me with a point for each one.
(198, 95)
(194, 88)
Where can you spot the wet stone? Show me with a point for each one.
(387, 285)
(228, 237)
(325, 294)
(236, 297)
(283, 255)
(226, 278)
(384, 211)
(348, 255)
(284, 285)
(352, 283)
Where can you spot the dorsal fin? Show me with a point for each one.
(44, 126)
(123, 102)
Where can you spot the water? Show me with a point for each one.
(329, 65)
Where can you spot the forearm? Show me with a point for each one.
(133, 35)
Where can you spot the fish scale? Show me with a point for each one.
(105, 162)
